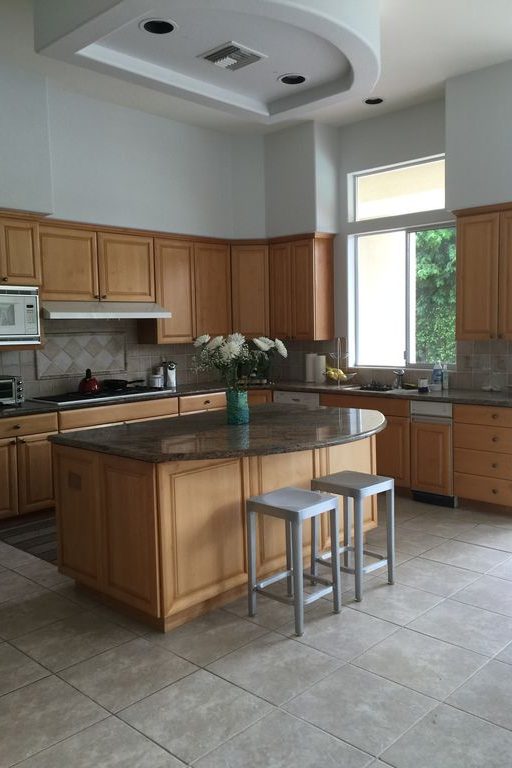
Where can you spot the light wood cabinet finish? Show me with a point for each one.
(480, 438)
(505, 277)
(175, 291)
(213, 401)
(8, 478)
(114, 414)
(393, 443)
(490, 416)
(484, 463)
(126, 267)
(35, 476)
(302, 291)
(250, 289)
(487, 489)
(433, 473)
(212, 273)
(20, 262)
(19, 426)
(69, 264)
(259, 396)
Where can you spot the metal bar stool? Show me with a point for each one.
(294, 505)
(357, 486)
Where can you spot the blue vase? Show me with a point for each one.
(238, 407)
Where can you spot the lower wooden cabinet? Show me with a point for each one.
(259, 396)
(8, 478)
(432, 472)
(26, 478)
(213, 401)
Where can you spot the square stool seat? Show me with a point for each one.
(356, 485)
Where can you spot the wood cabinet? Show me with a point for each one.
(20, 262)
(107, 415)
(250, 289)
(393, 443)
(484, 275)
(302, 290)
(126, 267)
(212, 275)
(213, 401)
(259, 396)
(69, 260)
(433, 443)
(483, 453)
(8, 478)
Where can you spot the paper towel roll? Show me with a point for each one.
(320, 363)
(310, 366)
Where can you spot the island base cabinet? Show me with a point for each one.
(8, 478)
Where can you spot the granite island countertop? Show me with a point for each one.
(274, 428)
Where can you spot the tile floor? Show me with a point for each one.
(418, 675)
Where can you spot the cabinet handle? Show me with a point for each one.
(16, 426)
(103, 296)
(495, 490)
(494, 465)
(495, 439)
(207, 402)
(22, 442)
(12, 442)
(96, 295)
(4, 279)
(494, 415)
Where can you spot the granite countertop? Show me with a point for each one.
(274, 428)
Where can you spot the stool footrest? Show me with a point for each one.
(320, 579)
(273, 579)
(317, 595)
(280, 598)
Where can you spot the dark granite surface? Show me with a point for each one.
(274, 428)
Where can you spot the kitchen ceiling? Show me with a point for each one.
(333, 43)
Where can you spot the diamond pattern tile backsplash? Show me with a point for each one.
(71, 353)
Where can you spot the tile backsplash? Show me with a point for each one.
(110, 347)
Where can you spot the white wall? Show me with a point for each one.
(327, 157)
(25, 178)
(248, 186)
(479, 138)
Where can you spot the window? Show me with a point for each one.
(404, 277)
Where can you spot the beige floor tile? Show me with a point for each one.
(209, 637)
(446, 527)
(489, 536)
(195, 715)
(124, 675)
(431, 576)
(108, 744)
(72, 640)
(488, 694)
(282, 741)
(17, 617)
(395, 602)
(411, 542)
(464, 555)
(506, 654)
(11, 557)
(40, 715)
(423, 663)
(449, 738)
(274, 667)
(503, 571)
(344, 635)
(17, 670)
(360, 708)
(43, 573)
(472, 628)
(14, 586)
(488, 592)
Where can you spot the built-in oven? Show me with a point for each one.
(19, 316)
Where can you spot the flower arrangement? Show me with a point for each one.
(234, 356)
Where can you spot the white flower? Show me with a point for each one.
(264, 344)
(236, 338)
(281, 348)
(215, 342)
(204, 339)
(229, 351)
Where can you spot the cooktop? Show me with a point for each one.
(70, 398)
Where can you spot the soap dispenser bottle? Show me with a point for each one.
(437, 377)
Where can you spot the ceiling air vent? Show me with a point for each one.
(232, 56)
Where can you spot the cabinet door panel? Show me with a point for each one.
(8, 479)
(303, 324)
(213, 288)
(126, 267)
(280, 291)
(69, 264)
(35, 478)
(505, 275)
(431, 458)
(249, 275)
(174, 266)
(477, 276)
(20, 262)
(393, 451)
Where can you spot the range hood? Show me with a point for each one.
(102, 310)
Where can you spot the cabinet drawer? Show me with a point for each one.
(387, 406)
(211, 401)
(483, 463)
(483, 414)
(105, 414)
(492, 490)
(301, 398)
(14, 426)
(480, 438)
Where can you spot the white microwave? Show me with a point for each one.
(19, 315)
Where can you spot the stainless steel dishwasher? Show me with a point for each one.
(432, 453)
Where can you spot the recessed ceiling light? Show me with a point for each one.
(292, 79)
(372, 102)
(158, 26)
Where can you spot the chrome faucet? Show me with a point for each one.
(399, 380)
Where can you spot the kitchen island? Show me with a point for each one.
(151, 516)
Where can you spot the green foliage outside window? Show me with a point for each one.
(435, 295)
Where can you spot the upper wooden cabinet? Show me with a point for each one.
(126, 267)
(69, 264)
(301, 288)
(249, 289)
(212, 276)
(484, 276)
(20, 262)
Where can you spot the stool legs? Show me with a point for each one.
(314, 546)
(298, 586)
(289, 561)
(358, 548)
(335, 559)
(346, 528)
(251, 556)
(390, 533)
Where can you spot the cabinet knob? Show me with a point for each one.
(495, 439)
(16, 426)
(207, 402)
(4, 279)
(494, 465)
(22, 442)
(12, 442)
(500, 335)
(103, 296)
(495, 490)
(96, 295)
(494, 415)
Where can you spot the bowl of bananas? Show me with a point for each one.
(337, 376)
